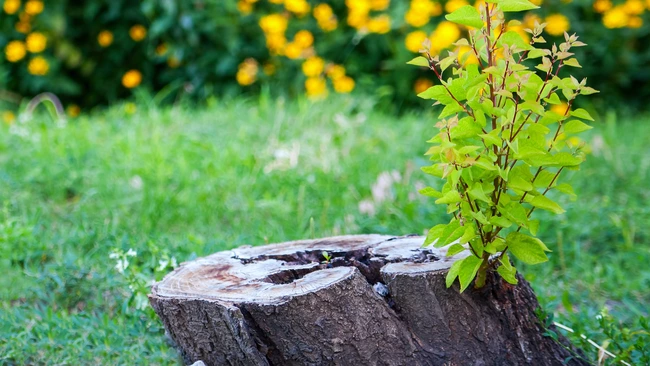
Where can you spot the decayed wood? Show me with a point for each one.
(380, 300)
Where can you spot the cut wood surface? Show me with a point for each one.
(380, 300)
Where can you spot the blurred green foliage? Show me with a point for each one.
(96, 52)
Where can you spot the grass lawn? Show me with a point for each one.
(193, 182)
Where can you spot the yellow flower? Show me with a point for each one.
(445, 34)
(537, 2)
(23, 27)
(601, 6)
(557, 24)
(414, 40)
(137, 32)
(173, 62)
(344, 84)
(73, 110)
(380, 24)
(293, 51)
(38, 66)
(421, 85)
(615, 17)
(105, 38)
(357, 19)
(316, 87)
(273, 24)
(36, 42)
(244, 7)
(34, 7)
(304, 38)
(530, 19)
(298, 7)
(313, 66)
(519, 29)
(131, 79)
(466, 56)
(335, 72)
(452, 5)
(560, 108)
(275, 42)
(634, 7)
(161, 49)
(244, 78)
(323, 12)
(379, 5)
(15, 51)
(8, 117)
(635, 22)
(11, 6)
(416, 19)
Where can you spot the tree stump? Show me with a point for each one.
(380, 300)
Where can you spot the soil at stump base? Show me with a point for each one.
(380, 300)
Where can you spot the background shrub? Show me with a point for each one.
(96, 52)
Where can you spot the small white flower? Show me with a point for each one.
(174, 263)
(136, 182)
(162, 264)
(114, 255)
(121, 265)
(131, 253)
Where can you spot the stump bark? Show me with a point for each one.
(380, 300)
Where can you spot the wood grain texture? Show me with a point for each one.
(380, 300)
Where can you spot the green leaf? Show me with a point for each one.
(468, 270)
(507, 271)
(572, 62)
(434, 234)
(455, 249)
(500, 221)
(520, 184)
(526, 248)
(430, 192)
(515, 5)
(469, 234)
(533, 226)
(466, 15)
(516, 212)
(576, 126)
(466, 128)
(451, 232)
(566, 189)
(491, 138)
(512, 38)
(547, 204)
(480, 217)
(419, 61)
(453, 273)
(477, 245)
(439, 93)
(581, 113)
(450, 197)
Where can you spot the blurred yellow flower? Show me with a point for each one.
(615, 17)
(161, 49)
(38, 66)
(34, 7)
(380, 24)
(293, 51)
(138, 32)
(335, 72)
(23, 27)
(244, 7)
(325, 17)
(11, 6)
(560, 109)
(344, 84)
(313, 66)
(416, 19)
(379, 5)
(357, 19)
(8, 117)
(244, 78)
(414, 40)
(105, 38)
(634, 7)
(601, 6)
(73, 110)
(304, 38)
(466, 56)
(421, 85)
(298, 7)
(247, 73)
(635, 22)
(452, 5)
(173, 62)
(519, 29)
(315, 87)
(36, 42)
(557, 24)
(445, 34)
(537, 2)
(15, 51)
(131, 79)
(273, 23)
(275, 42)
